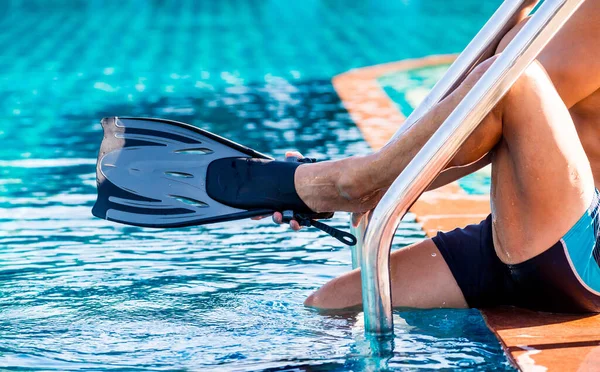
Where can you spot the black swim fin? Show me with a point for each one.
(162, 173)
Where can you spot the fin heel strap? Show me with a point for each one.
(342, 236)
(309, 220)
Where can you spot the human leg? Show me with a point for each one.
(356, 184)
(541, 178)
(420, 278)
(538, 146)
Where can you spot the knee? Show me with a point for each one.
(316, 300)
(528, 83)
(339, 293)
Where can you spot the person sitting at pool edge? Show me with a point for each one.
(538, 248)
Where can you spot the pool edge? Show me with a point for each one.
(449, 207)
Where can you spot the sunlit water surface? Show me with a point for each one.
(79, 293)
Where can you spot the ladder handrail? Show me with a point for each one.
(482, 46)
(438, 151)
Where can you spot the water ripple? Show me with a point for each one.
(80, 293)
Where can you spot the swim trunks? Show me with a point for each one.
(564, 278)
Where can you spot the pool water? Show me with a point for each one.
(79, 293)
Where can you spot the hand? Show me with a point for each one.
(278, 219)
(277, 216)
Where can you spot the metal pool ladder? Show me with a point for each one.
(375, 233)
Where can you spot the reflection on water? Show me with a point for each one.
(82, 293)
(79, 292)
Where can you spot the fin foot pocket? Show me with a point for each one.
(254, 183)
(258, 183)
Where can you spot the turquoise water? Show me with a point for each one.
(78, 293)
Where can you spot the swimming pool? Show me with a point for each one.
(80, 293)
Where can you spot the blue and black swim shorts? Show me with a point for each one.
(564, 278)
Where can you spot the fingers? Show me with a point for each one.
(293, 154)
(278, 219)
(257, 218)
(295, 225)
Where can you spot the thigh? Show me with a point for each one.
(541, 178)
(420, 279)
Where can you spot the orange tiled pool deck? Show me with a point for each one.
(533, 341)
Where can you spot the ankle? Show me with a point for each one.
(358, 179)
(343, 185)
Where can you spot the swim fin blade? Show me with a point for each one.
(165, 174)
